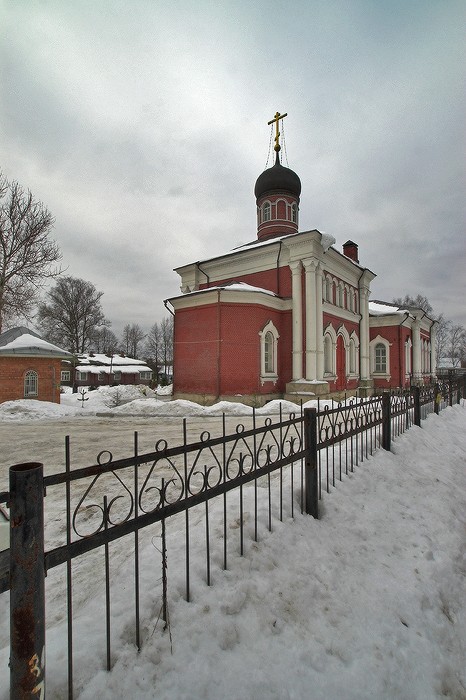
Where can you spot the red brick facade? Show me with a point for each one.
(13, 372)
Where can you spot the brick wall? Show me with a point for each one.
(13, 370)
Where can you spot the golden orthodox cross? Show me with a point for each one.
(275, 120)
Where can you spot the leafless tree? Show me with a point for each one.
(417, 302)
(72, 314)
(166, 329)
(456, 345)
(133, 335)
(27, 254)
(153, 347)
(104, 340)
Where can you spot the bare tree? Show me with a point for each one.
(27, 254)
(456, 345)
(73, 314)
(417, 302)
(153, 347)
(104, 340)
(443, 334)
(133, 335)
(166, 329)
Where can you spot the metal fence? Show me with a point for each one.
(287, 462)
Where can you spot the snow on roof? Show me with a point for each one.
(106, 369)
(234, 287)
(114, 360)
(22, 341)
(382, 308)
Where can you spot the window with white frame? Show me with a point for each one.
(81, 376)
(31, 383)
(408, 346)
(352, 356)
(65, 375)
(330, 344)
(117, 376)
(269, 351)
(379, 349)
(340, 295)
(145, 375)
(380, 358)
(266, 211)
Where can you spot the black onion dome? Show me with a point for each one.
(277, 179)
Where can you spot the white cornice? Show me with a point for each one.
(209, 297)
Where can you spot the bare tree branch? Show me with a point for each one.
(27, 254)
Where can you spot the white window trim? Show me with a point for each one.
(31, 378)
(353, 342)
(330, 372)
(65, 375)
(269, 376)
(372, 345)
(81, 376)
(408, 363)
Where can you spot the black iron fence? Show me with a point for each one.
(286, 462)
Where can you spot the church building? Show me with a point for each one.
(289, 316)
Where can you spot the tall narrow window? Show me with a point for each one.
(268, 352)
(266, 212)
(328, 355)
(31, 383)
(294, 213)
(380, 358)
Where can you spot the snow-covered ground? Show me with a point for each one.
(366, 603)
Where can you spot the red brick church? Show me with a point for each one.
(288, 315)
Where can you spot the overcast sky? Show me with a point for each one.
(142, 125)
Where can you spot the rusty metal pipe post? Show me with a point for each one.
(311, 466)
(386, 422)
(27, 582)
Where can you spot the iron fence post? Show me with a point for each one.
(386, 422)
(417, 405)
(437, 398)
(27, 582)
(450, 391)
(311, 467)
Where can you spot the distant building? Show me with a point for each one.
(30, 367)
(98, 369)
(288, 315)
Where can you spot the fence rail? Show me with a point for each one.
(288, 464)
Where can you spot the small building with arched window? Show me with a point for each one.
(30, 367)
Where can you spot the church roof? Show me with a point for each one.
(277, 179)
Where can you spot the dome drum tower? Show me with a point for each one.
(277, 193)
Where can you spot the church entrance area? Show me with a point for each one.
(341, 364)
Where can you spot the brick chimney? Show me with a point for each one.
(350, 249)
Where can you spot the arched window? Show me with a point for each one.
(266, 211)
(329, 290)
(294, 213)
(269, 352)
(31, 384)
(352, 357)
(380, 358)
(328, 355)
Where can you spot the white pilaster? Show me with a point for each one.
(319, 324)
(417, 355)
(433, 348)
(311, 318)
(297, 319)
(364, 339)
